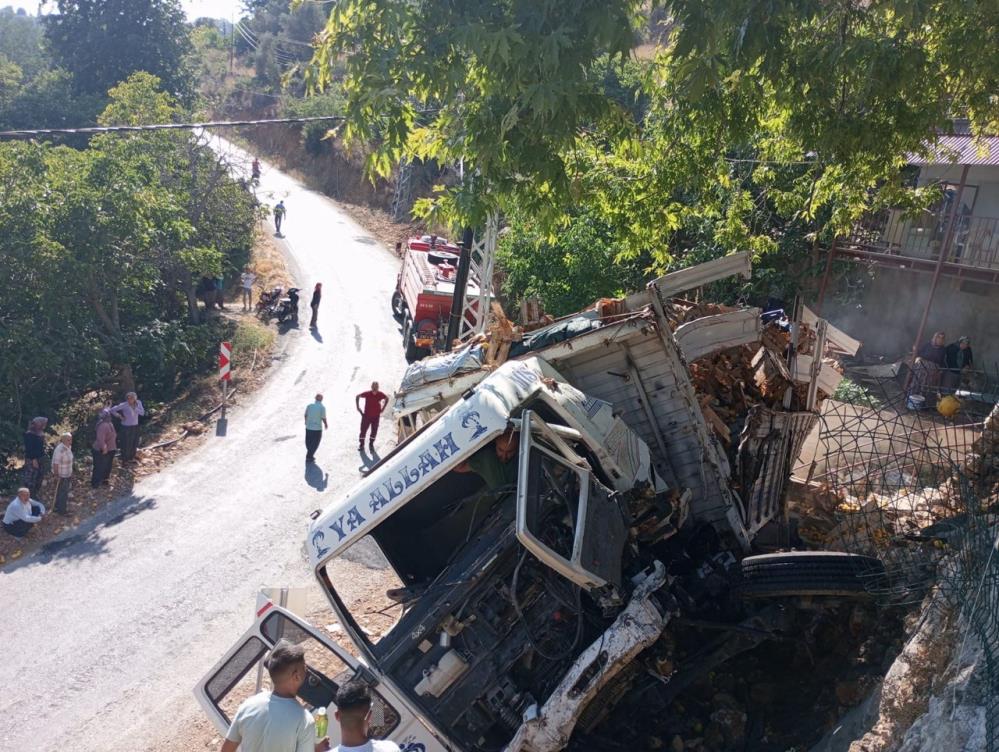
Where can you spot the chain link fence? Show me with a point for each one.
(920, 491)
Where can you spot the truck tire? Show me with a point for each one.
(810, 573)
(407, 330)
(413, 353)
(398, 306)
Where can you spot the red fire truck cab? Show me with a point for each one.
(423, 293)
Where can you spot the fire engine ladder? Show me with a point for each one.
(476, 310)
(402, 200)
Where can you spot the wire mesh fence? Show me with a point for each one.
(920, 491)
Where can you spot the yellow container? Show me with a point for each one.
(949, 406)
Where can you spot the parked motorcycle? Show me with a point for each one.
(267, 302)
(287, 308)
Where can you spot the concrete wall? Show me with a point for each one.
(887, 318)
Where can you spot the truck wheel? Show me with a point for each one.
(810, 573)
(413, 353)
(398, 306)
(407, 329)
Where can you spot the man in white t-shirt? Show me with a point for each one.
(246, 280)
(275, 721)
(353, 711)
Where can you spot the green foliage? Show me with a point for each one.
(21, 40)
(330, 102)
(853, 393)
(504, 85)
(761, 127)
(102, 249)
(567, 271)
(104, 41)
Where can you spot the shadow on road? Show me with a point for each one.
(89, 539)
(221, 426)
(315, 476)
(369, 459)
(316, 335)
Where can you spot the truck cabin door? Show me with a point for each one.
(241, 674)
(566, 518)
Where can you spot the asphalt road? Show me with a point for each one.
(107, 630)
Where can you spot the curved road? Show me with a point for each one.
(107, 631)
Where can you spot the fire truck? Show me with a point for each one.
(424, 292)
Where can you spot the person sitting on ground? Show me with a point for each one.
(275, 721)
(22, 514)
(958, 358)
(353, 712)
(494, 464)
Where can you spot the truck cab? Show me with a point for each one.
(519, 587)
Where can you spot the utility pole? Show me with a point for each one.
(232, 42)
(460, 283)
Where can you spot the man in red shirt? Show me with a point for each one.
(375, 403)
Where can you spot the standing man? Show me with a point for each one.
(129, 411)
(103, 449)
(353, 712)
(34, 455)
(22, 514)
(317, 295)
(279, 212)
(246, 280)
(375, 403)
(275, 721)
(315, 422)
(62, 469)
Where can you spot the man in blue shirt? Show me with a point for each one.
(315, 422)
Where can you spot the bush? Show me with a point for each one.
(168, 353)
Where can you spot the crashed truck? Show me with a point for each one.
(532, 608)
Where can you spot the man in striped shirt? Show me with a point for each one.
(62, 469)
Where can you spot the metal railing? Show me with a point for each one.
(975, 240)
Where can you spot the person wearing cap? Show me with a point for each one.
(958, 358)
(103, 448)
(62, 469)
(275, 721)
(22, 514)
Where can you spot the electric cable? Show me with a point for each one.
(97, 129)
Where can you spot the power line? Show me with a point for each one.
(162, 126)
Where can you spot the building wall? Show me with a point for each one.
(985, 177)
(887, 318)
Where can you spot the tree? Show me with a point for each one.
(502, 85)
(21, 40)
(104, 41)
(803, 108)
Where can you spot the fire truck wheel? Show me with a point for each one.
(810, 573)
(407, 329)
(413, 353)
(398, 306)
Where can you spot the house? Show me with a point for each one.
(936, 269)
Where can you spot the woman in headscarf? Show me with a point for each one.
(317, 295)
(104, 448)
(34, 453)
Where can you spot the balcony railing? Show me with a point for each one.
(975, 242)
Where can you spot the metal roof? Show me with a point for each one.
(960, 150)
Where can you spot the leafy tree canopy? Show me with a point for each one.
(104, 41)
(803, 108)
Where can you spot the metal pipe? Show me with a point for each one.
(460, 283)
(825, 276)
(944, 253)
